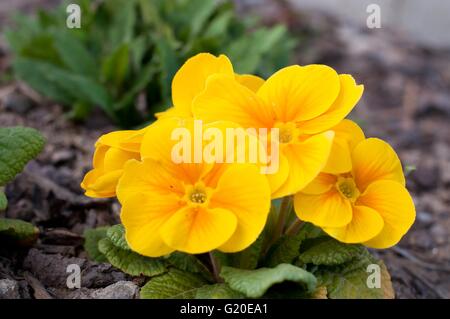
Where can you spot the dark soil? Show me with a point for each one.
(406, 102)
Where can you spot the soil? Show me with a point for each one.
(406, 102)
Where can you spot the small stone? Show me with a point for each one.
(427, 177)
(119, 290)
(9, 289)
(62, 156)
(18, 103)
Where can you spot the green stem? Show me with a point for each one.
(294, 227)
(283, 214)
(215, 267)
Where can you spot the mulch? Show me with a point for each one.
(406, 102)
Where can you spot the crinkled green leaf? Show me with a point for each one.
(18, 145)
(245, 259)
(349, 281)
(175, 284)
(18, 230)
(255, 283)
(129, 261)
(91, 239)
(116, 234)
(3, 200)
(189, 263)
(330, 252)
(285, 250)
(217, 291)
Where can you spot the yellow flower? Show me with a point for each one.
(369, 203)
(190, 80)
(189, 207)
(112, 151)
(304, 103)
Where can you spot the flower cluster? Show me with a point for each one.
(350, 186)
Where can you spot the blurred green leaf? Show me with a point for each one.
(115, 67)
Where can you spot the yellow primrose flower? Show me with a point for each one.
(304, 103)
(189, 207)
(369, 203)
(190, 80)
(112, 151)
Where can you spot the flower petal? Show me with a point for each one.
(321, 184)
(347, 135)
(300, 93)
(116, 158)
(243, 191)
(374, 159)
(366, 224)
(100, 184)
(198, 230)
(191, 78)
(329, 209)
(277, 179)
(250, 81)
(143, 215)
(158, 144)
(129, 140)
(173, 112)
(225, 99)
(340, 160)
(149, 177)
(306, 159)
(393, 202)
(349, 95)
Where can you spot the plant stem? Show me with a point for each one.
(294, 227)
(215, 267)
(283, 213)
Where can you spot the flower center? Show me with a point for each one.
(198, 197)
(287, 133)
(197, 194)
(347, 187)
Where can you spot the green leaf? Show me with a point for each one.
(74, 54)
(189, 263)
(249, 257)
(285, 250)
(123, 21)
(62, 85)
(169, 65)
(142, 80)
(3, 201)
(116, 234)
(18, 230)
(329, 251)
(115, 67)
(91, 239)
(198, 13)
(349, 281)
(18, 145)
(175, 284)
(217, 291)
(255, 283)
(129, 261)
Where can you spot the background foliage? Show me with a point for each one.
(125, 48)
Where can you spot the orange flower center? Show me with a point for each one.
(288, 132)
(347, 187)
